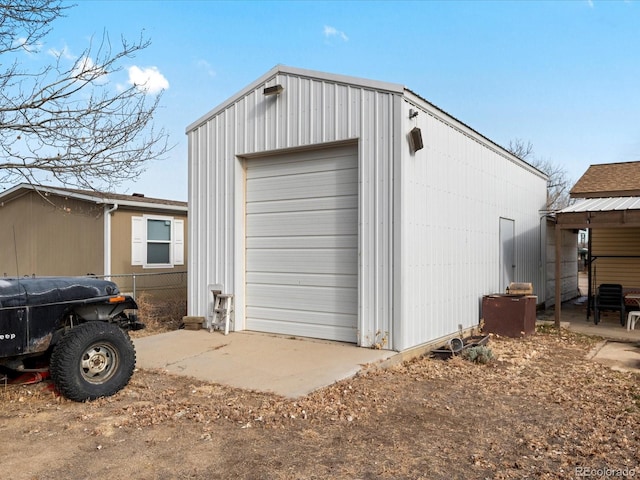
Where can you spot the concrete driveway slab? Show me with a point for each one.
(288, 366)
(619, 349)
(622, 356)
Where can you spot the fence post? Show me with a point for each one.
(134, 286)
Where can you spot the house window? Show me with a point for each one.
(157, 241)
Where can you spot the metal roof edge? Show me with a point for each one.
(232, 99)
(415, 97)
(9, 191)
(394, 88)
(284, 69)
(338, 78)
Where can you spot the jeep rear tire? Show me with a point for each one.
(92, 360)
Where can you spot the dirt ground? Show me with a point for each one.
(539, 410)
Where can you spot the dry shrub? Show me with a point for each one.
(160, 314)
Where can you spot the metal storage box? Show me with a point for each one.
(509, 315)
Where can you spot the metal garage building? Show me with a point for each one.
(354, 210)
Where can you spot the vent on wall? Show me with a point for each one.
(275, 90)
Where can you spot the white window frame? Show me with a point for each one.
(139, 241)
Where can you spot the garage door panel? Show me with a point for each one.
(304, 205)
(325, 184)
(304, 299)
(303, 223)
(340, 262)
(302, 317)
(293, 166)
(313, 330)
(301, 279)
(302, 244)
(303, 162)
(303, 241)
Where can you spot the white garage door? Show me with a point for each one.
(302, 244)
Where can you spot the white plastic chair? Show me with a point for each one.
(632, 318)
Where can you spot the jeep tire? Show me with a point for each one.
(95, 359)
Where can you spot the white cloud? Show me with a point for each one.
(330, 32)
(64, 53)
(86, 69)
(149, 79)
(22, 42)
(590, 3)
(206, 66)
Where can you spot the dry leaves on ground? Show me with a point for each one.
(539, 410)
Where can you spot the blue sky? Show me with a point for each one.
(563, 75)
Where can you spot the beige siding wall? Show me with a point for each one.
(624, 245)
(59, 238)
(121, 254)
(121, 243)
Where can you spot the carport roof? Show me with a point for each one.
(601, 212)
(604, 204)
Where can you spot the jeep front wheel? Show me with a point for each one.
(92, 360)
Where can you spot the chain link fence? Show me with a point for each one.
(161, 297)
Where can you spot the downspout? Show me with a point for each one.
(107, 238)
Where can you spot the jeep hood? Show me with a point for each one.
(28, 291)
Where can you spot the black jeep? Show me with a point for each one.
(74, 327)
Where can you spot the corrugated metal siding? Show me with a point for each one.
(568, 266)
(623, 243)
(453, 193)
(309, 112)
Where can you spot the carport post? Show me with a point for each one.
(558, 274)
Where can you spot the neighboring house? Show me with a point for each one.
(59, 231)
(608, 206)
(355, 210)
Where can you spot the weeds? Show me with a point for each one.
(478, 354)
(160, 315)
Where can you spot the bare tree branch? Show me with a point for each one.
(67, 121)
(520, 149)
(559, 183)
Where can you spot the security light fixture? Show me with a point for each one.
(275, 90)
(415, 137)
(413, 113)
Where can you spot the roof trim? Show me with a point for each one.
(465, 129)
(393, 88)
(301, 72)
(97, 197)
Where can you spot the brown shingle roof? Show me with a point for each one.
(609, 180)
